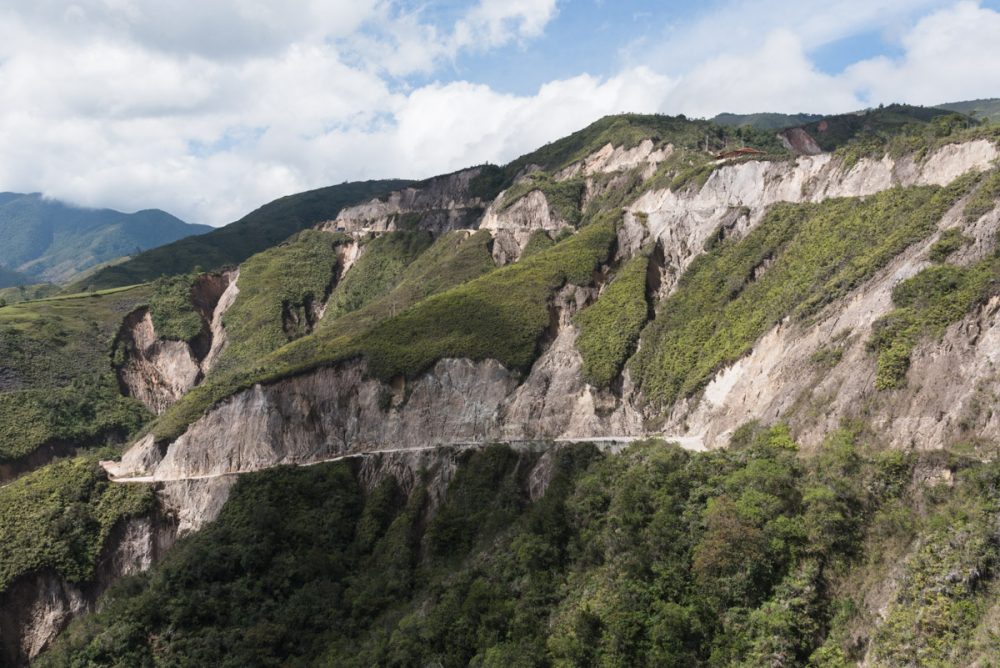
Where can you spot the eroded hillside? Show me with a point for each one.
(822, 324)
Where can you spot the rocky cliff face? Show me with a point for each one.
(512, 226)
(159, 371)
(441, 204)
(610, 158)
(36, 608)
(337, 411)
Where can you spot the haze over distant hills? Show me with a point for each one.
(50, 241)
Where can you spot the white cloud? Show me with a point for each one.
(404, 44)
(232, 104)
(950, 55)
(776, 77)
(735, 27)
(493, 23)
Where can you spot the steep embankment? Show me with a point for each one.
(352, 407)
(159, 370)
(646, 287)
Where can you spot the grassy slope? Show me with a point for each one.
(609, 329)
(287, 280)
(987, 109)
(255, 232)
(55, 365)
(627, 560)
(23, 293)
(301, 270)
(377, 271)
(453, 259)
(501, 315)
(810, 255)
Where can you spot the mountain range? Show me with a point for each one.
(47, 241)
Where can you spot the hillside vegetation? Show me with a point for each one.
(798, 259)
(986, 109)
(841, 552)
(627, 560)
(379, 269)
(58, 518)
(280, 291)
(57, 383)
(267, 226)
(501, 315)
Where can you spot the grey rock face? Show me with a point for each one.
(159, 371)
(441, 204)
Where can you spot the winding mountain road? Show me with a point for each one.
(604, 442)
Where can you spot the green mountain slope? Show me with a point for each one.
(765, 121)
(57, 383)
(52, 241)
(257, 231)
(986, 109)
(797, 533)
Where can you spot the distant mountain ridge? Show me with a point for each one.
(260, 229)
(50, 241)
(987, 109)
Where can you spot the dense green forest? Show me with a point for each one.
(748, 556)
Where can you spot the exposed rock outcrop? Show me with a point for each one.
(512, 226)
(441, 204)
(799, 141)
(735, 197)
(159, 371)
(217, 330)
(156, 371)
(34, 609)
(341, 410)
(610, 158)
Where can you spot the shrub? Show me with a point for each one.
(609, 329)
(59, 517)
(925, 305)
(537, 242)
(984, 199)
(950, 241)
(172, 309)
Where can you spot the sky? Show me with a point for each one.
(211, 108)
